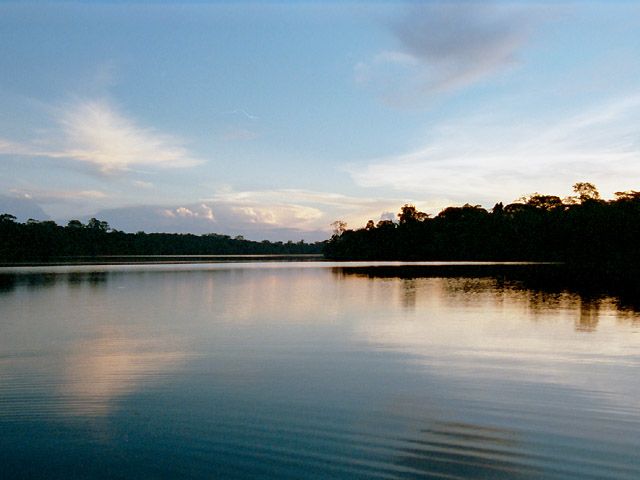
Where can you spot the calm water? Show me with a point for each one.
(309, 370)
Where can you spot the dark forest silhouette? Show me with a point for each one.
(580, 230)
(46, 241)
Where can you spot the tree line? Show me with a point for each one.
(46, 241)
(581, 229)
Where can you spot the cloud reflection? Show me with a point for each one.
(99, 371)
(84, 340)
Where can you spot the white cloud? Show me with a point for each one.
(481, 161)
(281, 208)
(477, 161)
(287, 214)
(94, 132)
(8, 147)
(279, 215)
(52, 196)
(201, 211)
(141, 184)
(306, 210)
(446, 46)
(206, 212)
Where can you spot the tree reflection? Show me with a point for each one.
(545, 284)
(589, 315)
(409, 291)
(94, 279)
(39, 280)
(42, 280)
(7, 282)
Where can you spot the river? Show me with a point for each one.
(313, 370)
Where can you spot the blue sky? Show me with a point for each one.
(272, 120)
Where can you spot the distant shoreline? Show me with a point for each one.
(158, 259)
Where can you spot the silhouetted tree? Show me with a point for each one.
(586, 191)
(95, 224)
(339, 227)
(584, 230)
(545, 202)
(44, 240)
(409, 214)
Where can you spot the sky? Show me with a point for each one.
(272, 120)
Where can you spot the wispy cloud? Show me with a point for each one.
(52, 196)
(96, 133)
(240, 125)
(244, 114)
(8, 147)
(142, 184)
(442, 47)
(478, 160)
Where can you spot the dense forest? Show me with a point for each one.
(47, 241)
(580, 230)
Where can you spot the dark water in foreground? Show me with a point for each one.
(308, 370)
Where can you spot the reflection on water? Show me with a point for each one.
(589, 313)
(314, 371)
(98, 371)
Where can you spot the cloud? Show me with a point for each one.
(233, 220)
(442, 47)
(287, 214)
(52, 196)
(483, 160)
(8, 147)
(94, 132)
(244, 114)
(240, 125)
(141, 184)
(271, 209)
(199, 211)
(304, 209)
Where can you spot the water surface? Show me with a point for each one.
(312, 370)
